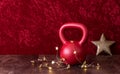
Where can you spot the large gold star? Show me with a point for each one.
(103, 45)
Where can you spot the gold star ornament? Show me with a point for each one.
(103, 45)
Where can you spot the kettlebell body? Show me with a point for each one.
(72, 52)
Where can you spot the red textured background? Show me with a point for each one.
(31, 26)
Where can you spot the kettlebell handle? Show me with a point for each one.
(76, 25)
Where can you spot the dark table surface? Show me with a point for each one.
(21, 64)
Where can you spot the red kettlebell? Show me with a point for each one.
(72, 52)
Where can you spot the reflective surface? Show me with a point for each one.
(20, 64)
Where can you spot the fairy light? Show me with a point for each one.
(39, 59)
(44, 58)
(50, 68)
(44, 63)
(85, 69)
(63, 59)
(40, 66)
(56, 48)
(53, 62)
(33, 62)
(57, 53)
(72, 41)
(83, 65)
(68, 66)
(59, 63)
(75, 52)
(98, 66)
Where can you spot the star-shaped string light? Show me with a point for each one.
(103, 45)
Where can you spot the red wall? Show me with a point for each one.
(31, 26)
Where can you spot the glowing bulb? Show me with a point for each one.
(33, 62)
(63, 59)
(68, 66)
(75, 52)
(39, 59)
(50, 68)
(85, 66)
(98, 66)
(53, 62)
(72, 41)
(44, 58)
(56, 48)
(40, 66)
(82, 66)
(85, 69)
